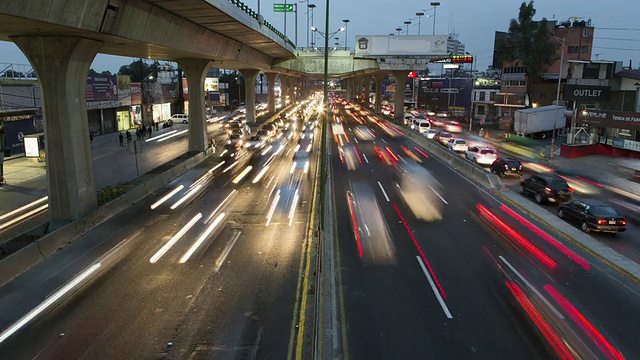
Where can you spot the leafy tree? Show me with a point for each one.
(105, 72)
(138, 70)
(529, 43)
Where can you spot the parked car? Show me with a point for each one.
(430, 134)
(546, 188)
(444, 137)
(482, 155)
(181, 118)
(593, 215)
(458, 145)
(507, 166)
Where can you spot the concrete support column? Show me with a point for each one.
(196, 71)
(350, 89)
(378, 78)
(401, 79)
(271, 100)
(62, 64)
(292, 89)
(283, 89)
(250, 76)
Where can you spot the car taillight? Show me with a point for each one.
(571, 190)
(601, 222)
(622, 222)
(520, 167)
(506, 166)
(547, 189)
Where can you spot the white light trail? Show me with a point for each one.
(294, 205)
(242, 174)
(230, 166)
(216, 167)
(23, 216)
(260, 174)
(186, 196)
(161, 136)
(273, 207)
(33, 203)
(174, 239)
(166, 197)
(173, 135)
(201, 239)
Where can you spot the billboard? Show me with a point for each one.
(211, 84)
(136, 94)
(124, 90)
(410, 45)
(586, 93)
(101, 88)
(611, 119)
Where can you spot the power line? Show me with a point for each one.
(622, 29)
(612, 48)
(618, 39)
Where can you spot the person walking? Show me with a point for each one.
(128, 137)
(150, 130)
(121, 138)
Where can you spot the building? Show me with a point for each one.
(454, 46)
(484, 97)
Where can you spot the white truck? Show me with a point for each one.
(538, 122)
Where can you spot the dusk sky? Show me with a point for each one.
(616, 34)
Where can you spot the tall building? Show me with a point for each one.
(454, 46)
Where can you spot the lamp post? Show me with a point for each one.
(346, 32)
(435, 5)
(419, 15)
(555, 118)
(473, 82)
(306, 13)
(313, 38)
(407, 23)
(398, 29)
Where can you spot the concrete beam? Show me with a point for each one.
(338, 65)
(250, 76)
(196, 71)
(62, 64)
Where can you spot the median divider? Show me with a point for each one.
(22, 260)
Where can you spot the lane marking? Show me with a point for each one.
(254, 353)
(528, 284)
(383, 192)
(435, 192)
(174, 239)
(226, 252)
(365, 158)
(435, 290)
(48, 302)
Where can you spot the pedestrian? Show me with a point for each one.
(157, 126)
(137, 134)
(91, 138)
(150, 131)
(121, 138)
(128, 136)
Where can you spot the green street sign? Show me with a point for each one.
(282, 7)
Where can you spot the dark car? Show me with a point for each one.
(593, 215)
(546, 188)
(444, 137)
(507, 166)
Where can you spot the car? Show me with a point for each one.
(593, 215)
(430, 134)
(408, 119)
(385, 154)
(255, 142)
(458, 145)
(441, 114)
(453, 127)
(507, 166)
(236, 139)
(263, 134)
(300, 162)
(229, 153)
(182, 118)
(423, 125)
(364, 133)
(443, 137)
(270, 129)
(546, 188)
(483, 155)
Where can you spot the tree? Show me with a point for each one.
(138, 70)
(105, 72)
(529, 43)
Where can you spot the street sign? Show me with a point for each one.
(282, 7)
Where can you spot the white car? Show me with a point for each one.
(453, 127)
(458, 145)
(482, 155)
(423, 126)
(430, 134)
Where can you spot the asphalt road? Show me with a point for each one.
(233, 298)
(464, 308)
(626, 243)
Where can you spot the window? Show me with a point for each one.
(584, 49)
(482, 96)
(586, 33)
(481, 110)
(515, 83)
(573, 50)
(492, 96)
(543, 96)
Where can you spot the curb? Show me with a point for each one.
(22, 260)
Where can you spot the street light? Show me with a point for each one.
(473, 82)
(407, 23)
(398, 29)
(346, 33)
(419, 15)
(313, 39)
(435, 5)
(555, 118)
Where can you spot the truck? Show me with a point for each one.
(538, 122)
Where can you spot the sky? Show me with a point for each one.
(616, 22)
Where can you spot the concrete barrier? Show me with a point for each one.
(22, 260)
(471, 170)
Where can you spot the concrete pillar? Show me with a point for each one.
(350, 89)
(292, 89)
(62, 64)
(271, 100)
(284, 90)
(379, 77)
(196, 71)
(250, 76)
(401, 79)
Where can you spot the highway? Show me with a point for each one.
(446, 295)
(213, 276)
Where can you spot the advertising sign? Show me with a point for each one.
(185, 89)
(408, 90)
(612, 119)
(414, 45)
(211, 84)
(101, 87)
(136, 94)
(586, 93)
(124, 90)
(31, 148)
